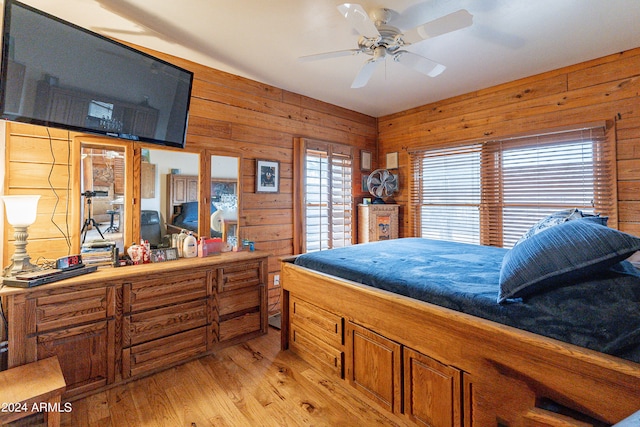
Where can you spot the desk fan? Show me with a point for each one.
(381, 184)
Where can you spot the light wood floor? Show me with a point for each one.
(252, 384)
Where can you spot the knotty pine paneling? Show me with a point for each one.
(604, 89)
(227, 112)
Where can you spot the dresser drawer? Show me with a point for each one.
(162, 322)
(233, 302)
(164, 290)
(240, 325)
(240, 275)
(317, 352)
(320, 323)
(160, 353)
(73, 308)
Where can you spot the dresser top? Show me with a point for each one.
(115, 274)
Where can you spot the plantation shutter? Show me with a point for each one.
(521, 180)
(328, 200)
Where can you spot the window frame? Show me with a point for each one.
(492, 205)
(333, 151)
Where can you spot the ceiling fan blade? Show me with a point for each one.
(451, 22)
(364, 74)
(327, 55)
(419, 63)
(359, 19)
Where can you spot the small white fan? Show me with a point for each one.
(215, 221)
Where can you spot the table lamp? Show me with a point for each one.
(21, 213)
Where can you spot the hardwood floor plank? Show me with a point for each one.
(122, 408)
(229, 394)
(187, 397)
(239, 386)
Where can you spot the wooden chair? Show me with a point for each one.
(34, 387)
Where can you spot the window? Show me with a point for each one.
(327, 202)
(492, 192)
(448, 188)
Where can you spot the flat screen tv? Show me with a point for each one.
(58, 74)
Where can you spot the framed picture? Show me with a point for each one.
(267, 176)
(171, 254)
(146, 155)
(220, 188)
(365, 187)
(392, 160)
(158, 255)
(365, 160)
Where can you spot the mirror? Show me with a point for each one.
(169, 194)
(223, 219)
(102, 183)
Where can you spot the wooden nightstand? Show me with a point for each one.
(377, 222)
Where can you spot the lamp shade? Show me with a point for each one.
(21, 210)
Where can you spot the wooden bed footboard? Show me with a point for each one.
(440, 367)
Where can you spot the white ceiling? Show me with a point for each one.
(263, 39)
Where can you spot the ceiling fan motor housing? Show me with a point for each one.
(381, 16)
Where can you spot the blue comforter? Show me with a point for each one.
(602, 313)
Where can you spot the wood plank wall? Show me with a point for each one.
(604, 89)
(260, 122)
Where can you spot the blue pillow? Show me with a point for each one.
(189, 212)
(561, 255)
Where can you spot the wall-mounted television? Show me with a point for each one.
(58, 74)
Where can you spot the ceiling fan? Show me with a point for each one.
(378, 39)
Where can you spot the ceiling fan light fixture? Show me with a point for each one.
(378, 39)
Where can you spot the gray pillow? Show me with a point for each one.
(560, 217)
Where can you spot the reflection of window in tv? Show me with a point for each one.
(101, 110)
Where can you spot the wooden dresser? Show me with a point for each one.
(377, 222)
(120, 323)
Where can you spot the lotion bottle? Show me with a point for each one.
(190, 246)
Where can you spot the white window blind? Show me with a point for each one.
(493, 192)
(328, 205)
(446, 193)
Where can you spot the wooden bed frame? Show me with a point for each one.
(440, 367)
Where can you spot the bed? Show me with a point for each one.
(544, 334)
(186, 217)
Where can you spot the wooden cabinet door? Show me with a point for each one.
(374, 366)
(178, 187)
(79, 328)
(431, 391)
(86, 354)
(377, 222)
